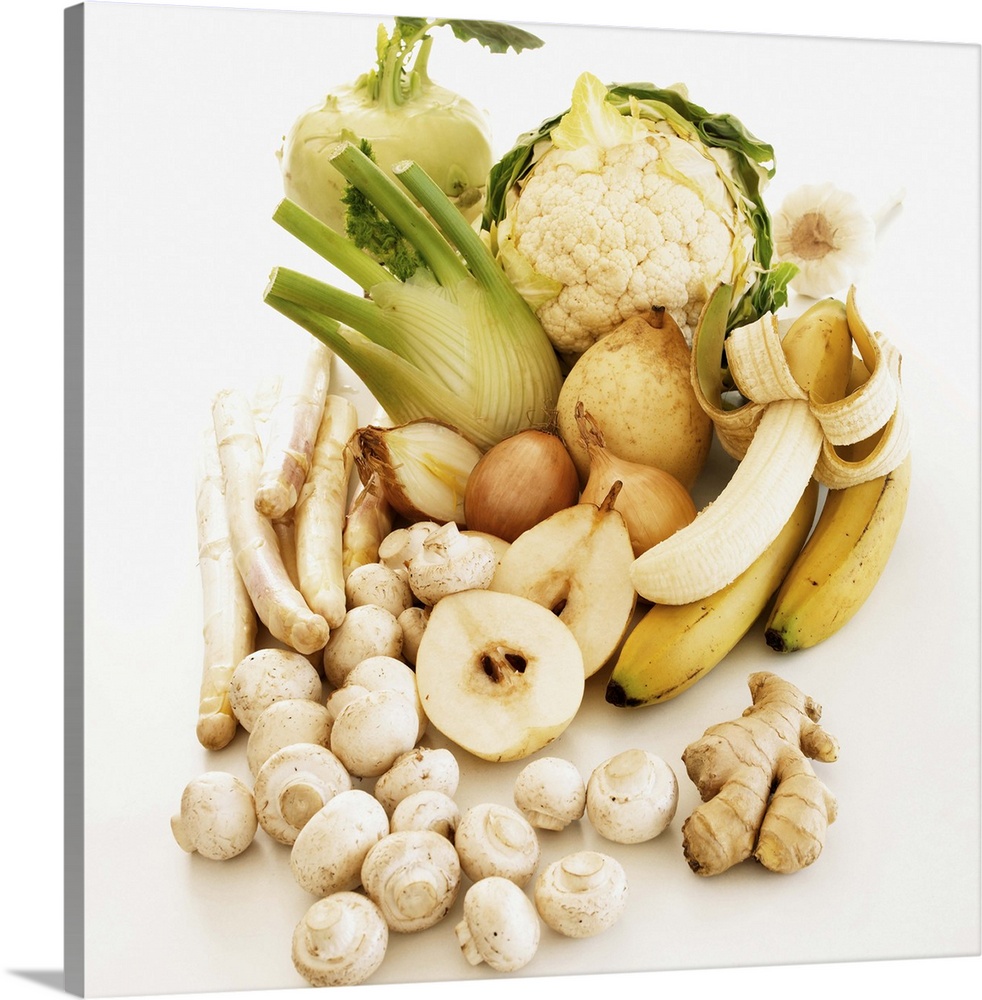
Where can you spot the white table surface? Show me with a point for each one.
(185, 109)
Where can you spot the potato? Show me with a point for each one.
(634, 381)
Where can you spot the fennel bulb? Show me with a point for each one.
(404, 115)
(454, 341)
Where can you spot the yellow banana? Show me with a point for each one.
(674, 645)
(783, 379)
(841, 562)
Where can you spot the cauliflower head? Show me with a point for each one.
(652, 225)
(633, 199)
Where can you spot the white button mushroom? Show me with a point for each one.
(500, 925)
(372, 731)
(329, 851)
(400, 545)
(292, 720)
(448, 562)
(413, 877)
(269, 675)
(493, 839)
(550, 793)
(217, 818)
(378, 673)
(340, 941)
(421, 768)
(427, 810)
(581, 894)
(376, 583)
(368, 630)
(632, 797)
(293, 784)
(413, 624)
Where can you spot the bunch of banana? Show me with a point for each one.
(813, 412)
(845, 556)
(675, 645)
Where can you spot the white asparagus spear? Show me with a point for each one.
(294, 421)
(229, 619)
(369, 520)
(320, 511)
(278, 603)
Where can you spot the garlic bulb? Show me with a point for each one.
(827, 234)
(653, 503)
(422, 467)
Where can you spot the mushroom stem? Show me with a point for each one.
(299, 801)
(414, 891)
(468, 945)
(331, 931)
(628, 772)
(581, 871)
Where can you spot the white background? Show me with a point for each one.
(910, 761)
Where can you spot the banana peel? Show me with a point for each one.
(795, 416)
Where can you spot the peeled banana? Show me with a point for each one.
(781, 378)
(674, 645)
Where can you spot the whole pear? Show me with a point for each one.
(635, 383)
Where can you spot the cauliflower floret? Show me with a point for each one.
(653, 226)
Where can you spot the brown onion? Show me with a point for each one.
(653, 503)
(519, 482)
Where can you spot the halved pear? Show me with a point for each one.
(497, 674)
(576, 563)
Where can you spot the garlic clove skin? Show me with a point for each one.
(550, 793)
(413, 876)
(500, 925)
(826, 233)
(340, 941)
(494, 839)
(581, 894)
(632, 797)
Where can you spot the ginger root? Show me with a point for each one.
(760, 795)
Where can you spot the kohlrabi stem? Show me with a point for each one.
(395, 82)
(359, 170)
(332, 246)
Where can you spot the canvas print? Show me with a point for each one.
(530, 499)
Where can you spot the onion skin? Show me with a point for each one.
(519, 482)
(421, 467)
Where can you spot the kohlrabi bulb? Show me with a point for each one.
(404, 116)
